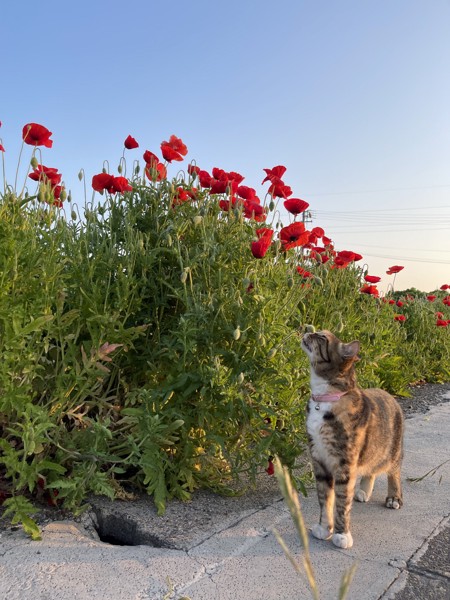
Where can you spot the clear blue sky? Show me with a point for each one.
(352, 96)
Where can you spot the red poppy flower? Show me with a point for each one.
(219, 186)
(326, 241)
(318, 232)
(236, 177)
(204, 179)
(346, 255)
(57, 191)
(121, 184)
(181, 195)
(130, 143)
(254, 210)
(2, 148)
(247, 193)
(370, 289)
(155, 171)
(399, 303)
(344, 258)
(394, 269)
(372, 278)
(439, 315)
(295, 206)
(304, 273)
(431, 298)
(34, 134)
(319, 254)
(270, 468)
(442, 323)
(150, 158)
(174, 149)
(279, 190)
(444, 287)
(43, 173)
(400, 318)
(193, 170)
(275, 173)
(294, 235)
(260, 247)
(105, 181)
(102, 182)
(446, 300)
(391, 301)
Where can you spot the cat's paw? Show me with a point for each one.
(393, 502)
(361, 496)
(343, 540)
(320, 532)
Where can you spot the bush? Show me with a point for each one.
(153, 341)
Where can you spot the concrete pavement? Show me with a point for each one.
(228, 551)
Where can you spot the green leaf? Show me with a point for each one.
(36, 324)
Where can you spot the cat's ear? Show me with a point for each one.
(350, 350)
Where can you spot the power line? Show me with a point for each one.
(395, 248)
(405, 259)
(380, 191)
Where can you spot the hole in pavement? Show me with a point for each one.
(116, 530)
(121, 530)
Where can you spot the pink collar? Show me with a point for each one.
(328, 397)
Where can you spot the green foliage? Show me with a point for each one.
(145, 345)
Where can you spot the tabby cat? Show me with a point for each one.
(351, 432)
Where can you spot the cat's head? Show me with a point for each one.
(329, 357)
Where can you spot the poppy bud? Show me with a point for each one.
(240, 378)
(183, 277)
(34, 162)
(197, 220)
(271, 205)
(310, 328)
(41, 195)
(73, 215)
(237, 333)
(290, 282)
(80, 175)
(63, 195)
(261, 339)
(340, 325)
(69, 196)
(137, 168)
(271, 353)
(119, 169)
(169, 240)
(318, 280)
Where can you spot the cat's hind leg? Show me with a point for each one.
(365, 488)
(394, 498)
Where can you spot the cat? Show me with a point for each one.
(351, 432)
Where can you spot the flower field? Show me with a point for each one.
(150, 340)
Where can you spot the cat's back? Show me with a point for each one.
(380, 400)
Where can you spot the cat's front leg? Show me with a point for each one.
(323, 530)
(344, 491)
